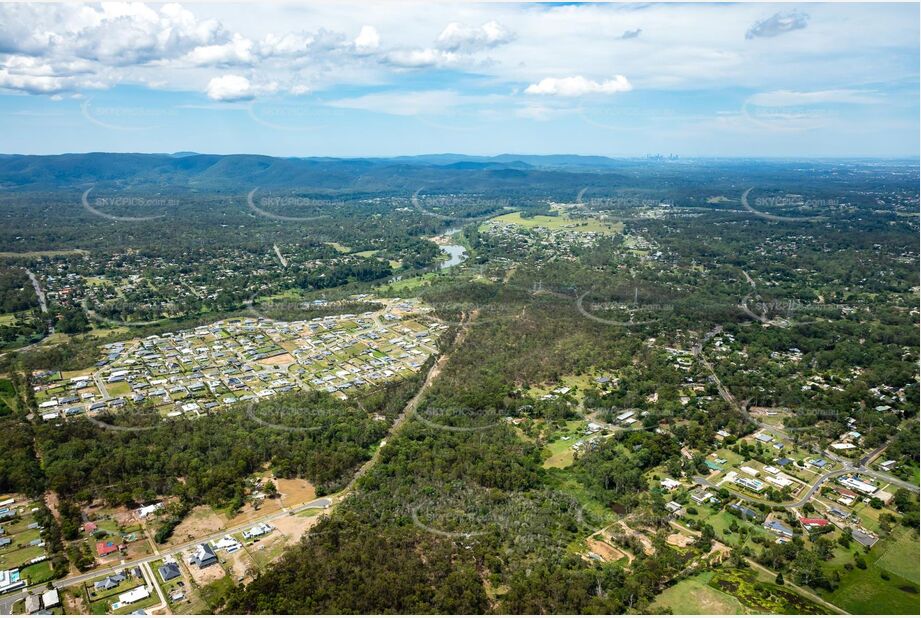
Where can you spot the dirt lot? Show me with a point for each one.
(607, 553)
(295, 491)
(294, 527)
(241, 566)
(202, 521)
(679, 540)
(208, 574)
(280, 359)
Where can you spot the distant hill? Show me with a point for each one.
(225, 173)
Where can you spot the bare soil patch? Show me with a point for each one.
(202, 521)
(679, 540)
(607, 552)
(208, 574)
(280, 359)
(295, 491)
(294, 527)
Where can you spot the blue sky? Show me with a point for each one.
(392, 78)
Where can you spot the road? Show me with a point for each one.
(847, 467)
(38, 291)
(413, 404)
(7, 601)
(281, 258)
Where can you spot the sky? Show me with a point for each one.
(405, 77)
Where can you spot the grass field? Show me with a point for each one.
(865, 591)
(560, 451)
(560, 222)
(339, 247)
(37, 254)
(694, 596)
(408, 284)
(900, 555)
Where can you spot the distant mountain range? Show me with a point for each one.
(217, 173)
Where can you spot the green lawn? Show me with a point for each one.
(864, 591)
(900, 555)
(37, 573)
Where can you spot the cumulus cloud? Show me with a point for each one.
(578, 86)
(777, 24)
(368, 39)
(35, 75)
(421, 58)
(239, 50)
(230, 88)
(458, 37)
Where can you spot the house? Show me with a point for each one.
(144, 511)
(866, 539)
(104, 548)
(778, 528)
(752, 484)
(33, 603)
(886, 466)
(749, 471)
(852, 482)
(50, 598)
(112, 581)
(780, 481)
(168, 571)
(669, 484)
(257, 531)
(203, 556)
(701, 496)
(811, 523)
(784, 461)
(228, 543)
(90, 527)
(672, 507)
(134, 595)
(743, 511)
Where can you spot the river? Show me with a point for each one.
(456, 253)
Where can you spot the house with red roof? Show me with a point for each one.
(809, 523)
(104, 548)
(90, 527)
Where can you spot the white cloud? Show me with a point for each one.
(422, 58)
(578, 86)
(239, 50)
(230, 88)
(459, 37)
(368, 39)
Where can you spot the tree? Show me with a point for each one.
(779, 579)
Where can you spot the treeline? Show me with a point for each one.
(134, 457)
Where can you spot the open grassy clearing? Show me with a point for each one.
(694, 596)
